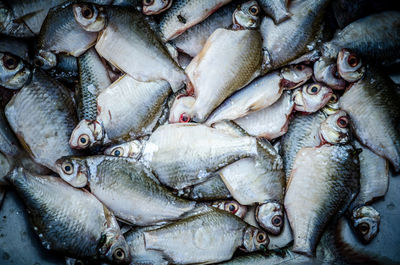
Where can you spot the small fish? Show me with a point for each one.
(312, 97)
(326, 71)
(154, 7)
(14, 72)
(335, 129)
(231, 206)
(350, 66)
(365, 222)
(276, 9)
(70, 220)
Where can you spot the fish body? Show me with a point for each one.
(273, 259)
(212, 189)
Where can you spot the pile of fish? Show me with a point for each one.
(197, 132)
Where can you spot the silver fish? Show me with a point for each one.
(136, 197)
(365, 221)
(14, 72)
(70, 220)
(312, 97)
(231, 206)
(154, 7)
(276, 9)
(326, 71)
(350, 66)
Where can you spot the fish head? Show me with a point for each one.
(255, 239)
(85, 134)
(350, 66)
(311, 97)
(114, 247)
(14, 73)
(247, 16)
(181, 109)
(270, 217)
(332, 106)
(326, 71)
(73, 170)
(294, 76)
(336, 128)
(154, 7)
(45, 59)
(129, 149)
(232, 207)
(365, 221)
(90, 17)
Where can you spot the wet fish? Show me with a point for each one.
(326, 71)
(115, 122)
(276, 9)
(14, 72)
(93, 79)
(69, 220)
(63, 27)
(261, 93)
(312, 97)
(231, 206)
(294, 37)
(136, 197)
(66, 69)
(365, 221)
(154, 7)
(376, 93)
(208, 237)
(128, 36)
(42, 116)
(350, 66)
(185, 14)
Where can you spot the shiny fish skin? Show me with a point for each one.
(205, 238)
(93, 79)
(42, 116)
(182, 155)
(127, 188)
(186, 13)
(276, 9)
(373, 99)
(212, 189)
(330, 175)
(128, 36)
(66, 219)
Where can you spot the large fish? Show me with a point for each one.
(69, 220)
(126, 187)
(207, 237)
(126, 36)
(42, 116)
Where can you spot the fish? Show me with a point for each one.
(14, 72)
(93, 79)
(311, 97)
(69, 220)
(289, 258)
(376, 93)
(326, 72)
(335, 129)
(192, 41)
(114, 122)
(365, 221)
(42, 116)
(66, 69)
(261, 93)
(63, 26)
(350, 66)
(9, 144)
(137, 197)
(330, 175)
(154, 7)
(15, 46)
(207, 237)
(375, 37)
(231, 206)
(293, 37)
(126, 36)
(6, 165)
(9, 26)
(185, 14)
(276, 9)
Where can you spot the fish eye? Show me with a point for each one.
(363, 228)
(232, 207)
(299, 67)
(342, 122)
(313, 90)
(184, 118)
(253, 10)
(118, 151)
(87, 12)
(352, 60)
(67, 168)
(277, 221)
(83, 140)
(261, 237)
(333, 99)
(148, 2)
(119, 254)
(10, 62)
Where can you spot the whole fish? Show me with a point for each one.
(201, 151)
(212, 189)
(70, 220)
(154, 7)
(381, 105)
(42, 116)
(185, 14)
(276, 9)
(9, 25)
(93, 79)
(126, 36)
(375, 37)
(135, 196)
(330, 176)
(261, 93)
(293, 37)
(69, 28)
(208, 237)
(326, 72)
(115, 121)
(14, 72)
